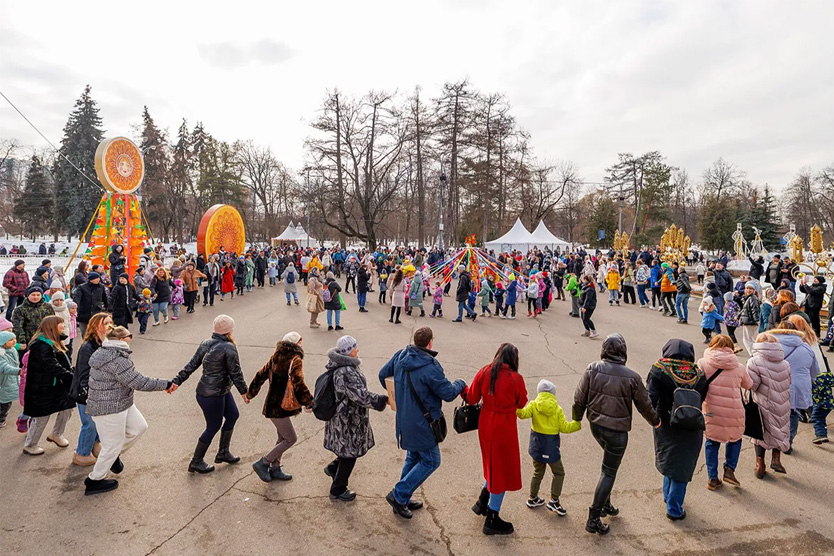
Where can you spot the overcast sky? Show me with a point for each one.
(751, 81)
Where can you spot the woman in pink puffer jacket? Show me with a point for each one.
(723, 408)
(771, 376)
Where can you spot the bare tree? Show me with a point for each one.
(548, 185)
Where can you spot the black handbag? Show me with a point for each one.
(753, 424)
(438, 426)
(466, 418)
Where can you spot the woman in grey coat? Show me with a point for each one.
(113, 378)
(348, 434)
(290, 287)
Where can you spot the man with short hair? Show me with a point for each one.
(420, 386)
(462, 296)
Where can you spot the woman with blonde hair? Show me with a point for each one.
(723, 410)
(803, 364)
(89, 445)
(48, 380)
(771, 376)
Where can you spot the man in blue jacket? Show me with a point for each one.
(413, 431)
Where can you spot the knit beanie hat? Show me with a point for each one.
(19, 262)
(41, 270)
(821, 279)
(93, 276)
(292, 337)
(125, 276)
(71, 304)
(58, 295)
(56, 285)
(146, 292)
(223, 324)
(546, 386)
(345, 345)
(5, 324)
(5, 336)
(33, 288)
(728, 296)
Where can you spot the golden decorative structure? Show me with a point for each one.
(674, 245)
(624, 245)
(617, 240)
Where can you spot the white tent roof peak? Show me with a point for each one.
(544, 237)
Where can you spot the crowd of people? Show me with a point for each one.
(46, 314)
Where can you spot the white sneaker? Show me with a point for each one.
(594, 334)
(166, 319)
(155, 324)
(33, 450)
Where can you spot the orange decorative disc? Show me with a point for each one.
(119, 165)
(221, 226)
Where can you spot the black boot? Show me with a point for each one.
(480, 507)
(198, 462)
(594, 524)
(97, 487)
(494, 525)
(223, 454)
(609, 509)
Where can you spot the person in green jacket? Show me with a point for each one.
(250, 273)
(548, 421)
(9, 374)
(574, 289)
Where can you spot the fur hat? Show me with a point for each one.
(292, 337)
(345, 345)
(223, 324)
(546, 386)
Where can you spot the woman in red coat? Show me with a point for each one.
(502, 390)
(227, 283)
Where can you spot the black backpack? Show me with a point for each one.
(686, 407)
(324, 397)
(291, 277)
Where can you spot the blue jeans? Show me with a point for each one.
(88, 435)
(294, 295)
(219, 412)
(361, 298)
(495, 500)
(613, 295)
(682, 306)
(641, 294)
(719, 306)
(463, 306)
(330, 317)
(731, 453)
(673, 494)
(818, 416)
(418, 466)
(794, 423)
(157, 307)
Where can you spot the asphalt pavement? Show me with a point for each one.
(159, 508)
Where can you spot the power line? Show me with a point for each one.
(54, 148)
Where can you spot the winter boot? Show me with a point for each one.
(198, 462)
(609, 509)
(494, 525)
(760, 467)
(776, 462)
(480, 507)
(223, 453)
(595, 524)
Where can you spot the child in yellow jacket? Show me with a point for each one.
(548, 421)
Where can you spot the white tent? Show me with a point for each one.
(302, 237)
(543, 238)
(517, 238)
(289, 234)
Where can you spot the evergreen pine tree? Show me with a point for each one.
(180, 183)
(77, 197)
(764, 216)
(157, 164)
(34, 205)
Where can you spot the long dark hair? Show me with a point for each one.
(507, 354)
(398, 277)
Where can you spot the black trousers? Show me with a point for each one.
(814, 317)
(340, 469)
(260, 274)
(656, 297)
(190, 298)
(586, 319)
(613, 444)
(350, 280)
(628, 293)
(209, 289)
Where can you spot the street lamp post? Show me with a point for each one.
(620, 224)
(440, 227)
